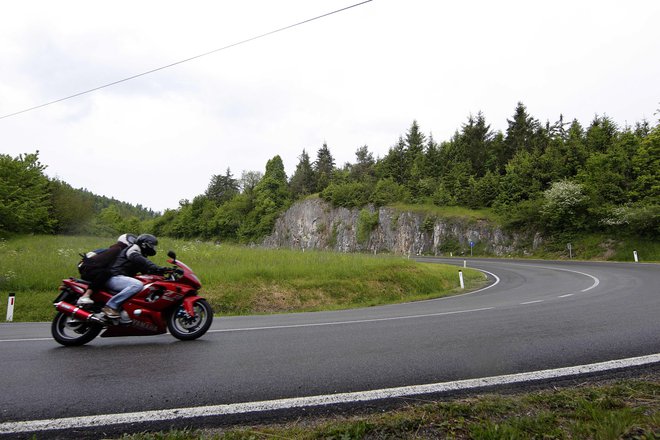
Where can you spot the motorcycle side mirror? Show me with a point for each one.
(172, 255)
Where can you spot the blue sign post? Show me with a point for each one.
(471, 246)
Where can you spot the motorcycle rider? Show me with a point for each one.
(130, 262)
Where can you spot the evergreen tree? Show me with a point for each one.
(600, 135)
(483, 191)
(363, 169)
(575, 150)
(324, 167)
(521, 132)
(393, 165)
(417, 167)
(271, 197)
(303, 181)
(222, 188)
(433, 158)
(415, 141)
(608, 175)
(519, 183)
(473, 144)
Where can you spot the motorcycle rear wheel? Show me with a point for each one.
(71, 333)
(185, 327)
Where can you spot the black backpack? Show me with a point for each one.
(97, 261)
(95, 265)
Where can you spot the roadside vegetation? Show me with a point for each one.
(627, 409)
(236, 280)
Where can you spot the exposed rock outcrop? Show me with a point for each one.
(315, 224)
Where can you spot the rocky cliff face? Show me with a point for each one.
(315, 224)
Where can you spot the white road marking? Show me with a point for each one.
(26, 340)
(593, 286)
(299, 402)
(566, 296)
(497, 281)
(532, 302)
(316, 324)
(356, 321)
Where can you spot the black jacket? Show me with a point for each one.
(130, 262)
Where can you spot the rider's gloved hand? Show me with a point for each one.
(162, 270)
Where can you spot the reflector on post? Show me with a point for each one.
(10, 307)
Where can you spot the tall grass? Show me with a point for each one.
(236, 280)
(621, 410)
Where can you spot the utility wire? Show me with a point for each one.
(185, 60)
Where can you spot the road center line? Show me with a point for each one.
(322, 400)
(593, 286)
(314, 324)
(356, 321)
(532, 302)
(26, 340)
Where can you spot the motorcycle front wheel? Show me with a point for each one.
(71, 332)
(185, 327)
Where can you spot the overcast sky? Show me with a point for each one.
(359, 77)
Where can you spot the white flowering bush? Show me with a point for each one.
(564, 205)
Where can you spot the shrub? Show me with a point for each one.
(367, 222)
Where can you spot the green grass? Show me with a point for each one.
(602, 247)
(626, 409)
(450, 212)
(236, 280)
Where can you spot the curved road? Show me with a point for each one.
(535, 315)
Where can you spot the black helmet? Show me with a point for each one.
(147, 244)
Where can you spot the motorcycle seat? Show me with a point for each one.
(81, 281)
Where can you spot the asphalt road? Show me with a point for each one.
(535, 315)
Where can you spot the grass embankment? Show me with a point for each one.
(450, 212)
(236, 280)
(603, 247)
(627, 409)
(584, 246)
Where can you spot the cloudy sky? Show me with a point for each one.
(359, 77)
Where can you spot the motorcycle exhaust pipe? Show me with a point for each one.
(76, 312)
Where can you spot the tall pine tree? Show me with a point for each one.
(303, 179)
(324, 166)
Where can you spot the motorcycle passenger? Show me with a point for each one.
(130, 262)
(98, 272)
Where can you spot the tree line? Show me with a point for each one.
(30, 202)
(557, 178)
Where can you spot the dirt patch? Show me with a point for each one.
(279, 299)
(609, 249)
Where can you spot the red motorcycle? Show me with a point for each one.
(166, 302)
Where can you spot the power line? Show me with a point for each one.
(185, 60)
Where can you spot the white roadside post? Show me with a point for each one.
(10, 307)
(636, 257)
(460, 277)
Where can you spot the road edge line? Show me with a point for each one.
(321, 400)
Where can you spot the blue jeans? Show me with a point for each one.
(126, 288)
